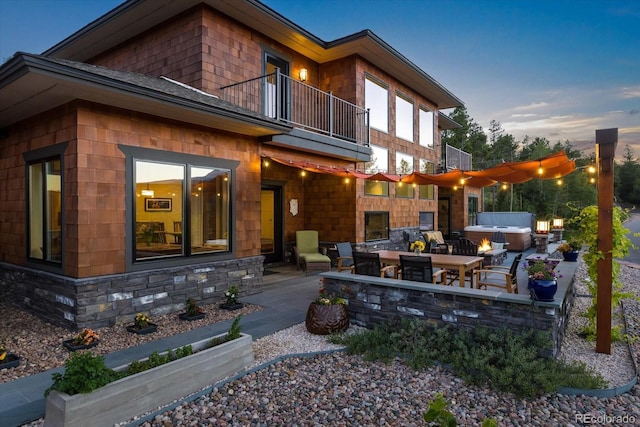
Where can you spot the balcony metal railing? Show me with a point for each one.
(280, 97)
(458, 159)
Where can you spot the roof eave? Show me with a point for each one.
(30, 85)
(136, 16)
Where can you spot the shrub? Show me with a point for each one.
(83, 373)
(503, 360)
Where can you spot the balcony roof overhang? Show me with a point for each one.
(136, 16)
(31, 84)
(447, 123)
(311, 142)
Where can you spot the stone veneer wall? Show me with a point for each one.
(115, 299)
(375, 301)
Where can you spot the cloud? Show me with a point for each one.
(629, 92)
(533, 105)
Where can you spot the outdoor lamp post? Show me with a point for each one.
(557, 227)
(541, 237)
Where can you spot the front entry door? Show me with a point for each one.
(271, 237)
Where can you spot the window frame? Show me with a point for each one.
(426, 139)
(428, 188)
(426, 214)
(371, 187)
(42, 156)
(404, 119)
(367, 219)
(376, 115)
(134, 154)
(472, 202)
(403, 190)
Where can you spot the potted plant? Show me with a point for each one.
(569, 251)
(232, 299)
(418, 246)
(87, 338)
(147, 231)
(327, 314)
(542, 279)
(142, 325)
(192, 311)
(8, 360)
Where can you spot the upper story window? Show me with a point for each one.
(379, 163)
(426, 127)
(404, 118)
(404, 166)
(426, 191)
(376, 99)
(44, 187)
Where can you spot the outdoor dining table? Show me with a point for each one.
(462, 263)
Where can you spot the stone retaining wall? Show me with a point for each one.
(375, 301)
(114, 299)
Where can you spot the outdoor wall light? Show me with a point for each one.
(303, 75)
(542, 227)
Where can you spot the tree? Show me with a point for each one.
(627, 183)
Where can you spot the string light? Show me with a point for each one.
(559, 182)
(540, 170)
(303, 173)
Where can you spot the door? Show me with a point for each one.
(276, 93)
(271, 224)
(444, 216)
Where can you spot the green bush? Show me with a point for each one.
(503, 360)
(83, 373)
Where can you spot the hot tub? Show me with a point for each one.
(519, 238)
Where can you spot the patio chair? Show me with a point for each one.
(467, 248)
(308, 254)
(345, 256)
(500, 238)
(499, 276)
(420, 269)
(369, 264)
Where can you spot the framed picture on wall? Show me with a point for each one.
(157, 205)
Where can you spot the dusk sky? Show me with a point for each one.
(544, 68)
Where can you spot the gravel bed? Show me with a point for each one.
(39, 344)
(338, 389)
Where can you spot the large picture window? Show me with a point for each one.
(45, 210)
(376, 99)
(180, 209)
(404, 118)
(376, 226)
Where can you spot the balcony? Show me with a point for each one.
(280, 97)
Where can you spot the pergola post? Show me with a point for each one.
(606, 140)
